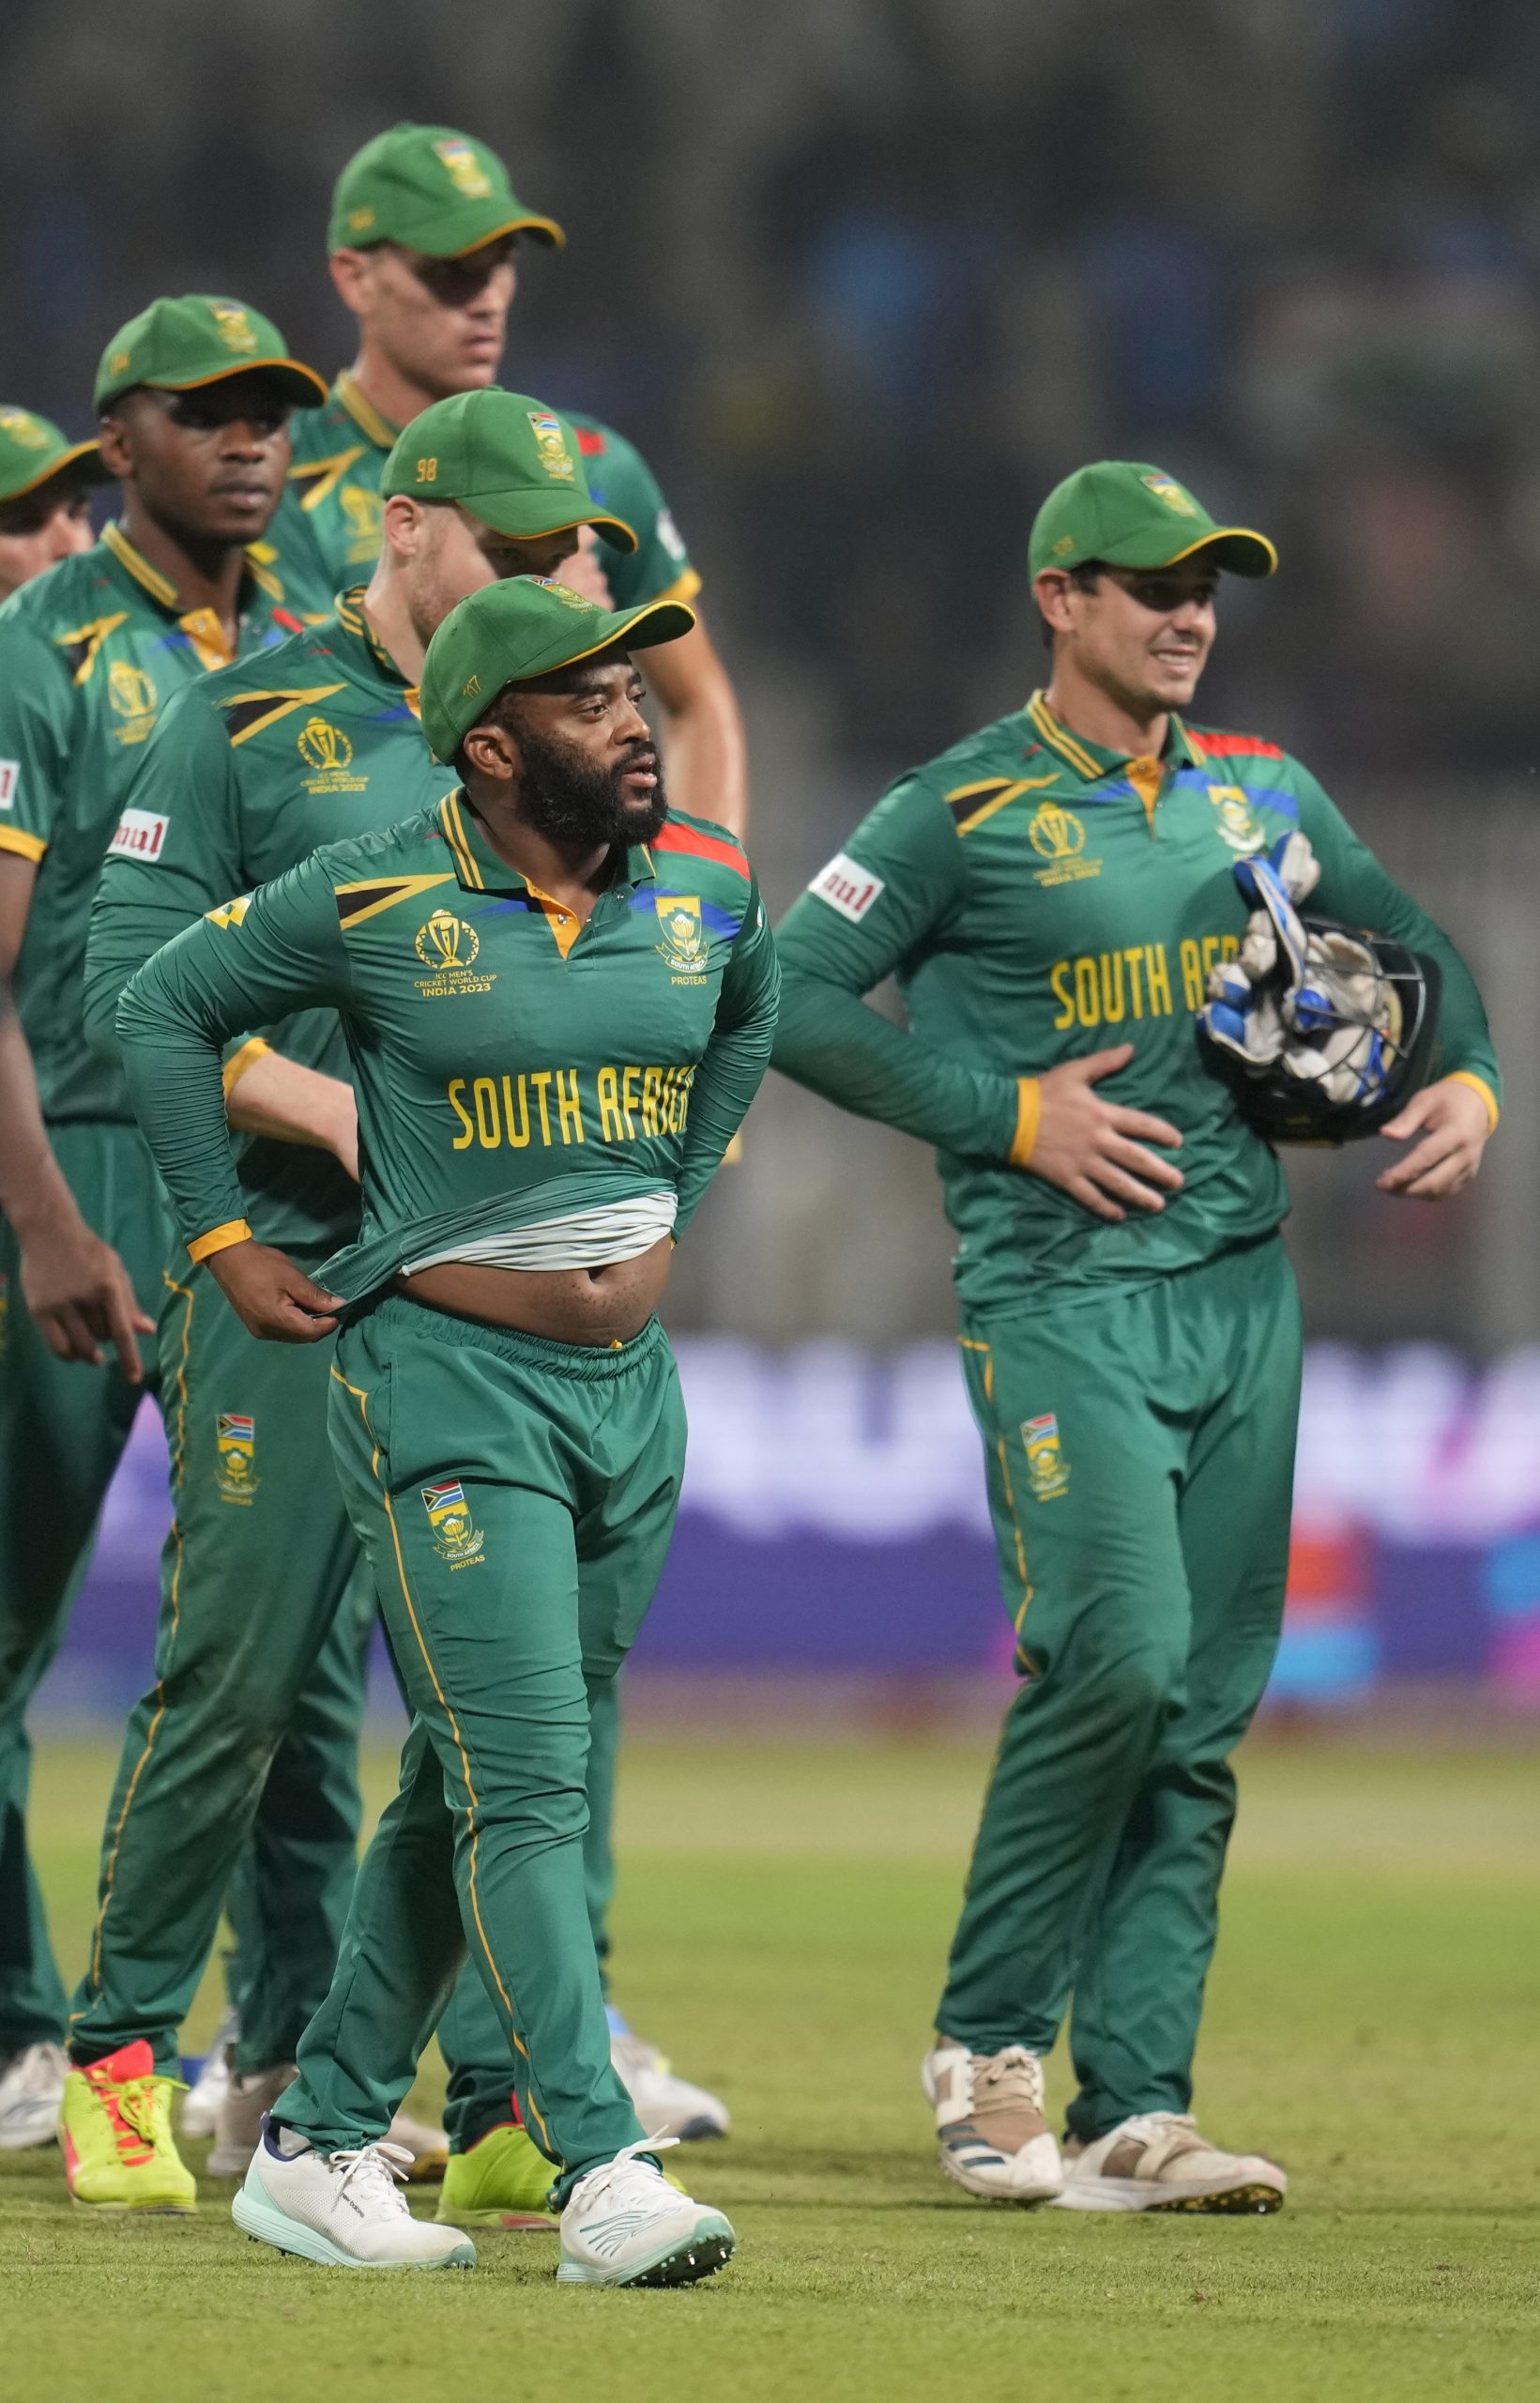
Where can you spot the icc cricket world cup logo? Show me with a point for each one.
(1056, 833)
(324, 747)
(447, 942)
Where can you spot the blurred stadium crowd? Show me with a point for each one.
(863, 282)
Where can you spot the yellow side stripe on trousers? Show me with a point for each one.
(179, 1454)
(362, 1400)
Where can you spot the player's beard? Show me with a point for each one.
(576, 805)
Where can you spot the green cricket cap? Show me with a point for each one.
(526, 626)
(32, 450)
(201, 339)
(1131, 515)
(512, 461)
(431, 190)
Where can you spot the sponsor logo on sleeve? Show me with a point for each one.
(139, 834)
(10, 771)
(669, 536)
(846, 888)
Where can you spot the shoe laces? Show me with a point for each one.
(611, 2177)
(136, 2108)
(1013, 2075)
(376, 2171)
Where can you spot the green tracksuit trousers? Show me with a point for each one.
(1140, 1449)
(63, 1426)
(516, 1499)
(252, 1726)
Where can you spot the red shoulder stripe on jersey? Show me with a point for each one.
(286, 618)
(1236, 746)
(706, 847)
(589, 442)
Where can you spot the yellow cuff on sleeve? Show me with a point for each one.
(238, 1061)
(1028, 1110)
(1468, 1077)
(219, 1239)
(31, 847)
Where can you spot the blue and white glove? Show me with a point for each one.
(1315, 1000)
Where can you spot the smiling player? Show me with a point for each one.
(1061, 882)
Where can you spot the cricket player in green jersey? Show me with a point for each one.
(249, 772)
(423, 235)
(195, 397)
(45, 495)
(1053, 894)
(559, 998)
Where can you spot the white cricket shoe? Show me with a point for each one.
(343, 2209)
(201, 2107)
(1158, 2162)
(669, 2103)
(31, 2091)
(990, 2129)
(237, 2131)
(625, 2224)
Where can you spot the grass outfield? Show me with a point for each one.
(1374, 2018)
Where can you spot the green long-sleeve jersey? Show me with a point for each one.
(90, 654)
(1038, 899)
(510, 1064)
(251, 771)
(327, 527)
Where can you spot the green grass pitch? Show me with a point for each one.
(1374, 2018)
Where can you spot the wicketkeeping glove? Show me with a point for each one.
(1310, 999)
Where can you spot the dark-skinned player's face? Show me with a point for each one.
(207, 465)
(586, 766)
(441, 323)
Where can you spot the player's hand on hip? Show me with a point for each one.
(1455, 1123)
(1098, 1151)
(270, 1296)
(81, 1296)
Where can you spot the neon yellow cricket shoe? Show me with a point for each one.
(502, 2181)
(115, 2126)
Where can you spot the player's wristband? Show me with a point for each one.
(1478, 1084)
(219, 1239)
(1028, 1110)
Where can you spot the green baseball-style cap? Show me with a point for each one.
(32, 450)
(200, 339)
(506, 632)
(1131, 515)
(431, 190)
(513, 462)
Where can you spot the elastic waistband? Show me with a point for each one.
(586, 1363)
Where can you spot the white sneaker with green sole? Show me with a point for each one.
(345, 2209)
(625, 2224)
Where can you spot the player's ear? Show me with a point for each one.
(405, 522)
(1052, 587)
(117, 444)
(351, 275)
(490, 750)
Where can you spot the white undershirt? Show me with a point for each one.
(579, 1239)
